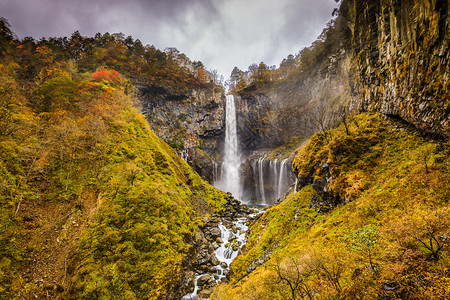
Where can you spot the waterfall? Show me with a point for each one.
(233, 236)
(272, 178)
(274, 169)
(230, 177)
(282, 178)
(262, 190)
(184, 154)
(214, 174)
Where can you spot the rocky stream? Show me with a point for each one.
(218, 243)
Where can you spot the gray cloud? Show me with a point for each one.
(220, 33)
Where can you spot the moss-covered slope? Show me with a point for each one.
(386, 235)
(92, 203)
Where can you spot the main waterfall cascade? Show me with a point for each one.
(230, 175)
(272, 178)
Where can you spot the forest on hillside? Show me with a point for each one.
(100, 137)
(93, 203)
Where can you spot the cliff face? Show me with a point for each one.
(383, 55)
(272, 117)
(189, 120)
(402, 60)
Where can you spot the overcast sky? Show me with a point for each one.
(220, 33)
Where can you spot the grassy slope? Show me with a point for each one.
(94, 204)
(143, 227)
(395, 187)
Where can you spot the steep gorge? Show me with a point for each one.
(131, 214)
(385, 56)
(369, 218)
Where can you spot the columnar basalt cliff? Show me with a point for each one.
(402, 60)
(385, 55)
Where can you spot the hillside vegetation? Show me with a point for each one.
(380, 228)
(94, 204)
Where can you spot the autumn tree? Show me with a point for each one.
(294, 275)
(235, 76)
(428, 232)
(364, 240)
(262, 75)
(6, 36)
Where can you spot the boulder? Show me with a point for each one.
(214, 260)
(203, 280)
(205, 294)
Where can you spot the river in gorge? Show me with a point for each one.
(225, 233)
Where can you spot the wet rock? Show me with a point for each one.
(211, 248)
(232, 238)
(224, 265)
(203, 269)
(187, 282)
(203, 280)
(205, 294)
(214, 233)
(214, 260)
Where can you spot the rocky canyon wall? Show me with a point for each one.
(401, 54)
(191, 122)
(309, 98)
(188, 120)
(388, 56)
(272, 117)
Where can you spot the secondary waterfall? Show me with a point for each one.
(262, 191)
(272, 179)
(230, 178)
(281, 178)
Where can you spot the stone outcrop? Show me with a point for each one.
(187, 120)
(205, 165)
(402, 57)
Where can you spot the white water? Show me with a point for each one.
(272, 179)
(225, 253)
(215, 171)
(282, 178)
(262, 190)
(184, 154)
(230, 178)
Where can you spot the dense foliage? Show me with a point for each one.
(94, 204)
(388, 236)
